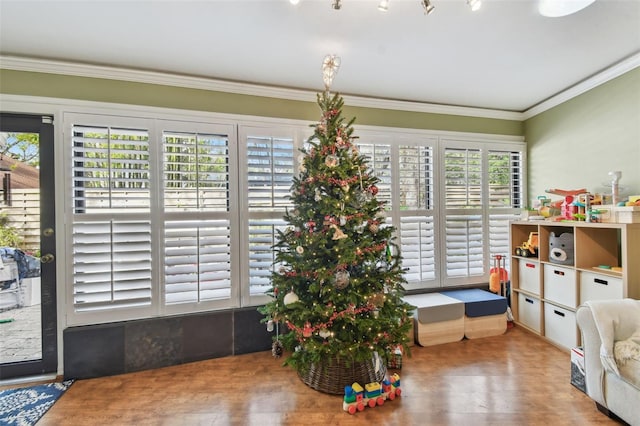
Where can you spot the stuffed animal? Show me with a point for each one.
(561, 248)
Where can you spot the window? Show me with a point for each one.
(268, 156)
(111, 230)
(197, 199)
(416, 182)
(176, 217)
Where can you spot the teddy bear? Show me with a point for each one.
(561, 248)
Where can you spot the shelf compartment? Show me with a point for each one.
(599, 287)
(560, 284)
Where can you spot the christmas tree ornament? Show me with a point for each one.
(343, 220)
(270, 325)
(330, 66)
(324, 333)
(276, 349)
(302, 168)
(299, 249)
(337, 233)
(377, 300)
(342, 279)
(375, 313)
(374, 228)
(290, 298)
(331, 161)
(307, 330)
(345, 187)
(318, 195)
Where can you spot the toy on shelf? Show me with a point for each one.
(561, 248)
(530, 247)
(374, 393)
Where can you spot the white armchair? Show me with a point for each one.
(611, 341)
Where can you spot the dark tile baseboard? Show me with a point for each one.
(124, 347)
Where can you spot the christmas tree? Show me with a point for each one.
(337, 292)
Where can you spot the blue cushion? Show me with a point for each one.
(479, 303)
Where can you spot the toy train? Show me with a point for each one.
(374, 393)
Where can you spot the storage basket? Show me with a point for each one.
(332, 375)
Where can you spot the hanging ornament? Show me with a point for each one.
(290, 298)
(270, 325)
(343, 220)
(318, 195)
(377, 299)
(345, 187)
(374, 228)
(338, 234)
(276, 349)
(376, 313)
(299, 249)
(373, 190)
(331, 161)
(306, 331)
(342, 279)
(324, 333)
(302, 168)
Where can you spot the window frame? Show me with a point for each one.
(239, 127)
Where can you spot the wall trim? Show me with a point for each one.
(592, 82)
(17, 63)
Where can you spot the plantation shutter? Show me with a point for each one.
(270, 172)
(506, 194)
(197, 242)
(111, 230)
(416, 199)
(463, 221)
(379, 162)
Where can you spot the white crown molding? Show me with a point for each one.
(592, 82)
(151, 77)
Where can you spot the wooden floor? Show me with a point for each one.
(513, 379)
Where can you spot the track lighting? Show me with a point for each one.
(383, 6)
(474, 4)
(428, 7)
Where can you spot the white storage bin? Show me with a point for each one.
(529, 311)
(560, 325)
(529, 276)
(595, 286)
(560, 285)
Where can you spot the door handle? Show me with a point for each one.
(47, 258)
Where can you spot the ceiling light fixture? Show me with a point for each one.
(384, 5)
(558, 8)
(294, 2)
(428, 7)
(336, 4)
(474, 4)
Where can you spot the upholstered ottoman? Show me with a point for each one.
(485, 313)
(437, 318)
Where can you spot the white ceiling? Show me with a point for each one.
(506, 56)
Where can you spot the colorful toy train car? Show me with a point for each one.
(374, 393)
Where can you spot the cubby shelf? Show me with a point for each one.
(546, 294)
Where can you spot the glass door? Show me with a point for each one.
(28, 343)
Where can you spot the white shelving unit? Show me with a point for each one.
(545, 295)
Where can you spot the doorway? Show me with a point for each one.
(28, 328)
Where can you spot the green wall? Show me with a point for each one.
(572, 145)
(123, 92)
(575, 144)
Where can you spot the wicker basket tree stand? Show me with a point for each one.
(332, 375)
